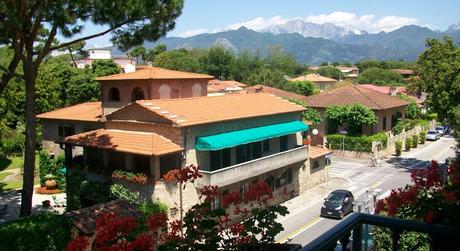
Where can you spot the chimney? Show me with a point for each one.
(393, 91)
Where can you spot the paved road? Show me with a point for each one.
(304, 225)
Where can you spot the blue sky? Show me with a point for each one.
(199, 16)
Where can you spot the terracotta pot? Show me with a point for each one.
(51, 184)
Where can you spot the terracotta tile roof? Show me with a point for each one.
(205, 110)
(144, 143)
(275, 91)
(85, 219)
(217, 85)
(384, 89)
(314, 78)
(316, 151)
(89, 111)
(352, 94)
(155, 73)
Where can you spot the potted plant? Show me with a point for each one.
(50, 182)
(46, 203)
(307, 140)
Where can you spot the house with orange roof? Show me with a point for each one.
(388, 109)
(320, 82)
(220, 87)
(233, 139)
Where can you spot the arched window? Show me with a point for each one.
(137, 94)
(165, 91)
(196, 90)
(114, 94)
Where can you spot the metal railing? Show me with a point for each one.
(352, 226)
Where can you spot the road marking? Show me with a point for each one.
(441, 153)
(299, 230)
(375, 184)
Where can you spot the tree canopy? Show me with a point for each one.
(439, 71)
(29, 29)
(305, 88)
(330, 72)
(380, 76)
(353, 117)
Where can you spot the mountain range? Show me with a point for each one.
(313, 43)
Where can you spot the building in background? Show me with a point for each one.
(321, 82)
(104, 54)
(221, 87)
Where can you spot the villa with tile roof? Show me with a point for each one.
(388, 109)
(234, 139)
(320, 82)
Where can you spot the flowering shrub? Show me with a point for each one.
(139, 178)
(433, 197)
(170, 176)
(115, 232)
(209, 225)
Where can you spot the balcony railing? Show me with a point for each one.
(242, 171)
(352, 226)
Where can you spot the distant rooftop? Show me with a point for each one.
(352, 94)
(217, 85)
(314, 77)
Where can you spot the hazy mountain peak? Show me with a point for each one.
(454, 27)
(308, 29)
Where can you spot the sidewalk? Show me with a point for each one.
(12, 200)
(314, 194)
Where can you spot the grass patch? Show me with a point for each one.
(11, 163)
(3, 175)
(16, 161)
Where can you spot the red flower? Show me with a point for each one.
(156, 221)
(209, 193)
(259, 191)
(237, 228)
(188, 173)
(80, 243)
(223, 220)
(231, 198)
(142, 242)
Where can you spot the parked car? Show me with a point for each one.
(432, 135)
(338, 204)
(440, 130)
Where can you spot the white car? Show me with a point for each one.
(440, 130)
(432, 135)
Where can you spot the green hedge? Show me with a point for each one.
(358, 143)
(398, 147)
(39, 232)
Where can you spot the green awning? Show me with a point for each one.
(235, 138)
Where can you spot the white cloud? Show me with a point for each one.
(191, 33)
(369, 22)
(259, 23)
(390, 23)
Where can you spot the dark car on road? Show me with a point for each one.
(338, 204)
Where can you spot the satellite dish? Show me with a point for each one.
(129, 68)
